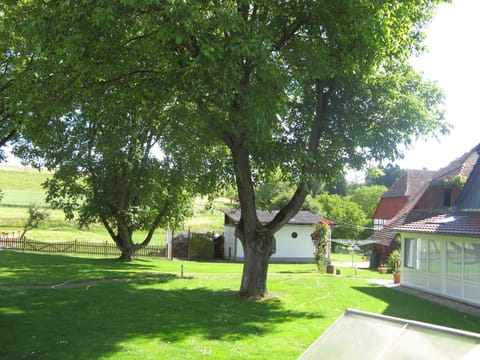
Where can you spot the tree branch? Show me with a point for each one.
(8, 137)
(288, 34)
(294, 205)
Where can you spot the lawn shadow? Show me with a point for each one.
(408, 306)
(20, 268)
(97, 321)
(295, 272)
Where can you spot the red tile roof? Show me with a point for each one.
(462, 223)
(456, 222)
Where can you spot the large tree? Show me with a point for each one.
(107, 171)
(310, 87)
(306, 86)
(101, 112)
(12, 63)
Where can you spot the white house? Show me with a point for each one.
(293, 242)
(441, 244)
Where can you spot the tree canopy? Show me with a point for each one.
(308, 87)
(384, 175)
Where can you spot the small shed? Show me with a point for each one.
(293, 243)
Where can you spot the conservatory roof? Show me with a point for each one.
(358, 334)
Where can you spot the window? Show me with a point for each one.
(447, 197)
(422, 255)
(433, 256)
(472, 261)
(454, 259)
(410, 252)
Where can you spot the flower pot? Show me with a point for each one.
(396, 278)
(382, 269)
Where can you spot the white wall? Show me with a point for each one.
(229, 245)
(299, 249)
(444, 269)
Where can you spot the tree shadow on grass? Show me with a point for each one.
(411, 307)
(97, 321)
(19, 268)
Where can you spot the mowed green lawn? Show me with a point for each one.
(86, 309)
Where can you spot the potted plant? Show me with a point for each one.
(382, 267)
(394, 262)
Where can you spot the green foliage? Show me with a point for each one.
(391, 173)
(309, 89)
(395, 261)
(275, 194)
(458, 181)
(35, 218)
(320, 238)
(367, 197)
(200, 247)
(348, 216)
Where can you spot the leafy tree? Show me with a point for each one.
(306, 88)
(367, 197)
(348, 216)
(112, 132)
(10, 66)
(309, 89)
(339, 187)
(388, 175)
(107, 171)
(276, 193)
(35, 217)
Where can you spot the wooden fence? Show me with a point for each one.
(74, 247)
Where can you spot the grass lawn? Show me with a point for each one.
(159, 315)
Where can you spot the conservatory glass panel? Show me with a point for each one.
(433, 256)
(410, 250)
(422, 255)
(472, 261)
(454, 259)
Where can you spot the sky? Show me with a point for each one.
(452, 61)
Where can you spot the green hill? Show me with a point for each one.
(22, 186)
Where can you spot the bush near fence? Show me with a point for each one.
(75, 247)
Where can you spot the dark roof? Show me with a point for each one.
(470, 197)
(301, 218)
(461, 166)
(409, 183)
(463, 223)
(465, 218)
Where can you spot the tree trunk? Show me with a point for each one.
(128, 253)
(257, 252)
(125, 242)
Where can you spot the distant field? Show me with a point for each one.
(22, 186)
(22, 178)
(23, 198)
